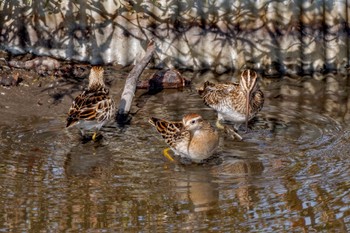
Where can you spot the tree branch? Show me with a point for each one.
(131, 81)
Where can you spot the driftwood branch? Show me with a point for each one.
(131, 81)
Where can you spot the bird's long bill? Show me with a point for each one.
(247, 110)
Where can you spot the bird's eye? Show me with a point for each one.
(193, 121)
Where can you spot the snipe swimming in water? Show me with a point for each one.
(234, 102)
(193, 138)
(93, 108)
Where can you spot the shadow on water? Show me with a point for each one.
(289, 173)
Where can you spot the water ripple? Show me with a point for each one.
(290, 173)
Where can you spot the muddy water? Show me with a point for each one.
(290, 173)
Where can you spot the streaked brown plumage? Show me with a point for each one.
(234, 102)
(193, 138)
(93, 108)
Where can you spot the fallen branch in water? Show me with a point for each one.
(131, 82)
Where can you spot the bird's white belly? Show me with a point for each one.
(233, 116)
(181, 149)
(89, 125)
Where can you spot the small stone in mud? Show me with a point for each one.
(164, 79)
(9, 79)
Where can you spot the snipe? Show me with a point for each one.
(234, 102)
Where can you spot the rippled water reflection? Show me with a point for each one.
(289, 174)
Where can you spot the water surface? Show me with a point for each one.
(290, 173)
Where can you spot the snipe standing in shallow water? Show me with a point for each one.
(234, 102)
(93, 108)
(193, 138)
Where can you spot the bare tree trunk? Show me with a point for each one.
(131, 81)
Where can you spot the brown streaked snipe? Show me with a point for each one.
(93, 108)
(234, 102)
(193, 138)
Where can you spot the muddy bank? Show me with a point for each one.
(42, 83)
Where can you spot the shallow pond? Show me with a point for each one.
(290, 173)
